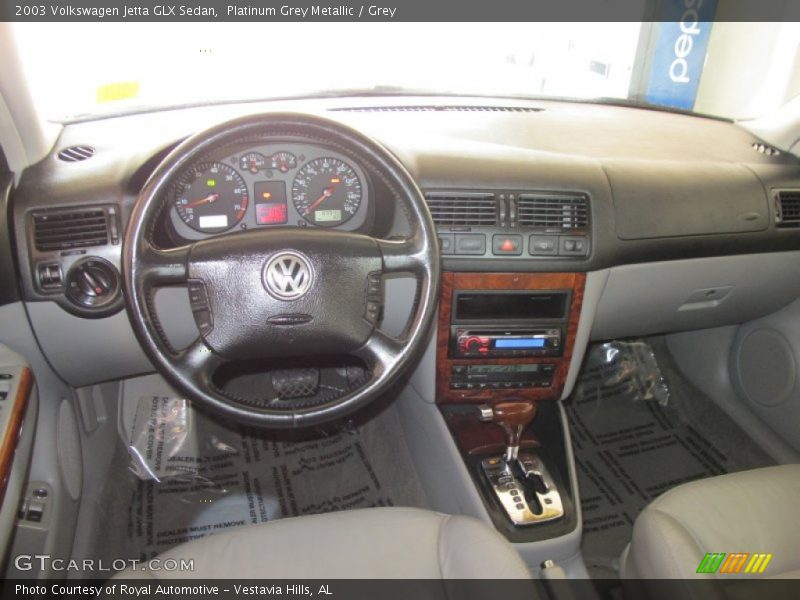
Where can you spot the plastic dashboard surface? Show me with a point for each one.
(584, 148)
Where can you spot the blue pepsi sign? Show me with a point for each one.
(680, 51)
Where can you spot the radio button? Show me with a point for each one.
(543, 245)
(470, 244)
(573, 246)
(447, 242)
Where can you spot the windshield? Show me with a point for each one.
(733, 70)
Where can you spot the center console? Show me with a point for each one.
(504, 347)
(506, 335)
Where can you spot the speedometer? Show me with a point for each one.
(327, 192)
(211, 197)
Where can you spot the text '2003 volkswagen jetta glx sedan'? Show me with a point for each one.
(523, 312)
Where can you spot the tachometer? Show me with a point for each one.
(327, 192)
(212, 197)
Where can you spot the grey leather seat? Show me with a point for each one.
(370, 543)
(752, 511)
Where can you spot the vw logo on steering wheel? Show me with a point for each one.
(287, 276)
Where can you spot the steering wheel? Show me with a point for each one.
(270, 293)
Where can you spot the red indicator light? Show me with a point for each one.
(271, 214)
(508, 246)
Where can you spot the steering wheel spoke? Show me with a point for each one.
(380, 352)
(198, 361)
(164, 267)
(402, 256)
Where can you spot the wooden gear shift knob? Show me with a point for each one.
(513, 417)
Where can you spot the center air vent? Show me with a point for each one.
(77, 228)
(787, 208)
(462, 209)
(553, 212)
(76, 153)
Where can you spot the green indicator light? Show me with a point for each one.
(211, 182)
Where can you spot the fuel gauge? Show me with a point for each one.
(253, 162)
(283, 161)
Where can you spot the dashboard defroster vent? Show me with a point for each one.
(553, 212)
(78, 228)
(76, 153)
(787, 208)
(462, 209)
(440, 108)
(765, 149)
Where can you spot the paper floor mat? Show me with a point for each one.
(628, 451)
(196, 478)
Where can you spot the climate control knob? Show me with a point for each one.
(92, 282)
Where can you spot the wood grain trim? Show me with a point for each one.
(477, 437)
(8, 447)
(504, 281)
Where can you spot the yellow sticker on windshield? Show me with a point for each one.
(113, 92)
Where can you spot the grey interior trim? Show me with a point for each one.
(22, 146)
(87, 351)
(444, 477)
(593, 291)
(764, 365)
(97, 410)
(22, 457)
(423, 379)
(703, 357)
(56, 541)
(695, 294)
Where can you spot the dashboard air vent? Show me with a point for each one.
(462, 209)
(76, 153)
(765, 149)
(787, 208)
(553, 212)
(440, 108)
(61, 230)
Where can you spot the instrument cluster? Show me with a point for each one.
(270, 185)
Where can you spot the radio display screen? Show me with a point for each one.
(520, 343)
(506, 306)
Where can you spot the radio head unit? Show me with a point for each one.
(507, 343)
(508, 323)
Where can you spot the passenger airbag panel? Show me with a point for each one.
(657, 199)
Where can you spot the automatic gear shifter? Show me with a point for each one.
(520, 482)
(513, 417)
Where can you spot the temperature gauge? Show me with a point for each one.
(253, 162)
(283, 161)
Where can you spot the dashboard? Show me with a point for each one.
(285, 183)
(678, 222)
